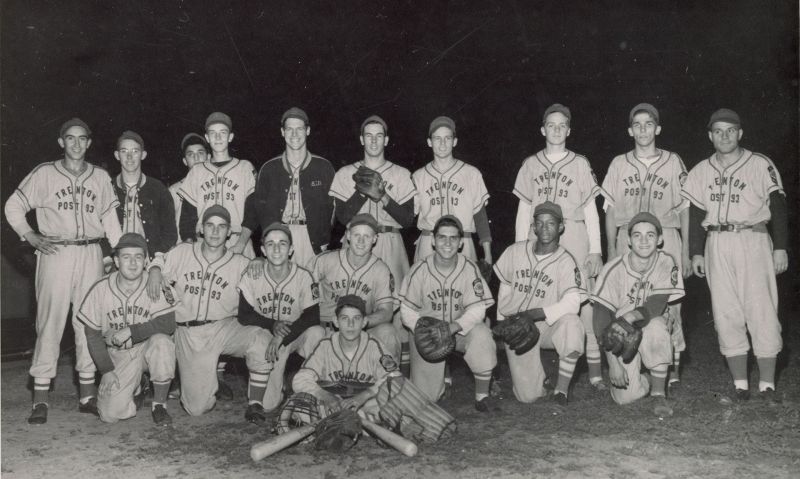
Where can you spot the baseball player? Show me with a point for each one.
(205, 275)
(74, 202)
(128, 333)
(284, 299)
(194, 149)
(293, 189)
(447, 186)
(448, 286)
(564, 177)
(636, 287)
(224, 180)
(145, 205)
(737, 198)
(392, 205)
(541, 280)
(649, 179)
(355, 270)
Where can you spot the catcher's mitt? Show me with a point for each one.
(622, 339)
(369, 183)
(408, 411)
(301, 409)
(486, 269)
(433, 339)
(338, 432)
(519, 332)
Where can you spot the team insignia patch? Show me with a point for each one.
(682, 177)
(674, 276)
(477, 286)
(577, 277)
(315, 291)
(391, 283)
(388, 363)
(168, 295)
(772, 174)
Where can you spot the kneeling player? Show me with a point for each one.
(128, 334)
(541, 289)
(635, 288)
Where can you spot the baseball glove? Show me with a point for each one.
(519, 332)
(622, 339)
(486, 269)
(369, 183)
(338, 432)
(433, 339)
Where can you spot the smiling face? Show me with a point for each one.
(556, 128)
(295, 132)
(277, 247)
(447, 242)
(548, 228)
(75, 142)
(130, 262)
(442, 142)
(350, 321)
(130, 155)
(725, 136)
(644, 239)
(361, 238)
(374, 140)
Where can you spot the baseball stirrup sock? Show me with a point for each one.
(221, 369)
(738, 367)
(566, 368)
(257, 386)
(676, 367)
(405, 360)
(482, 382)
(766, 373)
(86, 386)
(593, 360)
(658, 375)
(160, 391)
(41, 390)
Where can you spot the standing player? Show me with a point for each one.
(735, 194)
(649, 179)
(224, 181)
(205, 275)
(564, 177)
(392, 205)
(293, 189)
(194, 149)
(284, 299)
(355, 270)
(635, 288)
(448, 286)
(447, 186)
(145, 206)
(74, 203)
(128, 333)
(541, 282)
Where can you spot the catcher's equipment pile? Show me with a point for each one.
(338, 432)
(519, 332)
(369, 183)
(433, 339)
(622, 339)
(299, 410)
(406, 410)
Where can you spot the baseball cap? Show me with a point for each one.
(448, 220)
(131, 240)
(131, 135)
(217, 210)
(548, 207)
(726, 115)
(74, 122)
(353, 301)
(644, 217)
(193, 139)
(375, 119)
(441, 121)
(219, 117)
(294, 112)
(275, 226)
(645, 107)
(364, 219)
(556, 108)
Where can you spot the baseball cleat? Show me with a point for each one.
(599, 385)
(741, 395)
(39, 414)
(661, 407)
(224, 392)
(160, 416)
(255, 413)
(770, 397)
(486, 405)
(560, 398)
(89, 407)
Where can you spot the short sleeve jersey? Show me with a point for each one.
(737, 194)
(633, 187)
(459, 191)
(621, 289)
(569, 183)
(396, 180)
(429, 292)
(373, 282)
(330, 364)
(283, 301)
(536, 283)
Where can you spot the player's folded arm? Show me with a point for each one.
(247, 316)
(163, 324)
(308, 318)
(98, 350)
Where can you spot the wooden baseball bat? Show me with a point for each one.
(395, 440)
(263, 449)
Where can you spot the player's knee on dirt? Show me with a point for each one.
(116, 407)
(568, 335)
(480, 349)
(638, 385)
(656, 346)
(386, 334)
(160, 357)
(256, 352)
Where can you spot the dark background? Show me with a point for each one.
(160, 68)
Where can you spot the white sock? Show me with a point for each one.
(478, 397)
(741, 384)
(763, 386)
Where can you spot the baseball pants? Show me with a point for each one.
(304, 345)
(303, 251)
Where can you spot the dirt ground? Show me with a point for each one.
(592, 437)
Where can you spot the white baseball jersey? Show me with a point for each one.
(373, 282)
(284, 301)
(329, 363)
(536, 283)
(569, 183)
(633, 187)
(207, 291)
(229, 185)
(396, 180)
(459, 191)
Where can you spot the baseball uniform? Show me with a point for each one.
(621, 289)
(541, 282)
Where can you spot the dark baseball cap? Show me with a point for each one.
(193, 139)
(364, 219)
(353, 301)
(449, 220)
(644, 217)
(441, 121)
(548, 207)
(294, 112)
(131, 135)
(556, 108)
(647, 108)
(277, 227)
(219, 117)
(74, 122)
(726, 115)
(131, 240)
(217, 210)
(374, 119)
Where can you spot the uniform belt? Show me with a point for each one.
(77, 242)
(467, 234)
(758, 228)
(387, 229)
(295, 222)
(191, 324)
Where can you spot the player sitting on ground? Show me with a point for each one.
(635, 288)
(541, 287)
